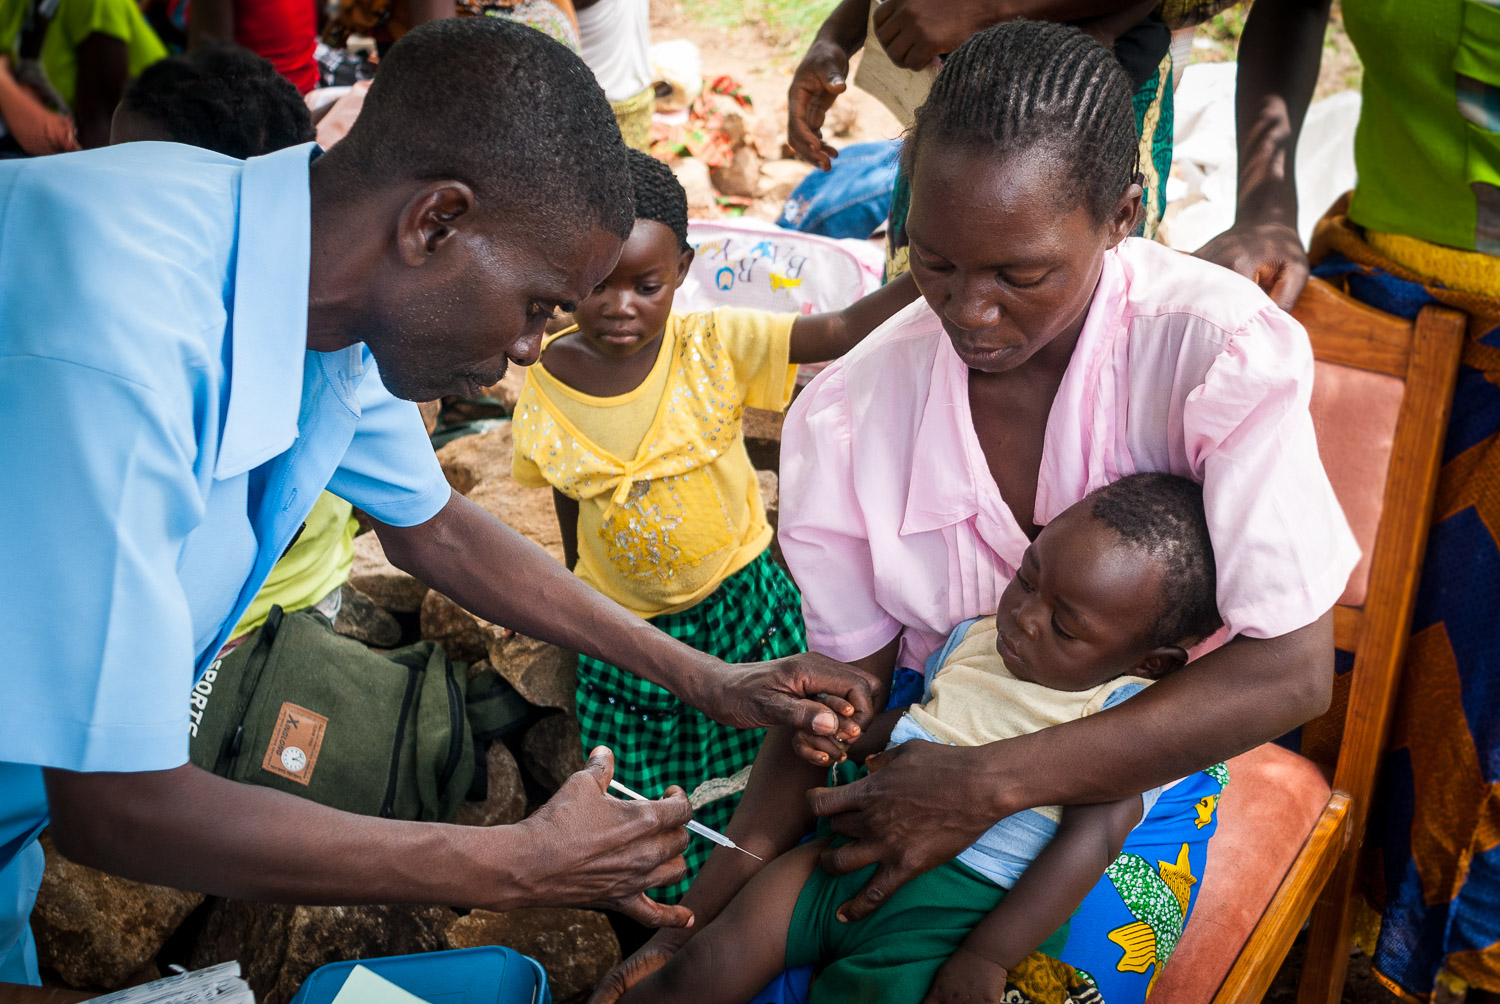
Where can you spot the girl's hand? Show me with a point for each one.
(968, 978)
(820, 78)
(652, 956)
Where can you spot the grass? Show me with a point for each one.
(790, 23)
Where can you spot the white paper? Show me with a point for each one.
(902, 91)
(219, 984)
(364, 987)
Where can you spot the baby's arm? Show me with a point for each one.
(819, 337)
(1088, 840)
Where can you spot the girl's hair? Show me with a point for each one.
(659, 196)
(1025, 85)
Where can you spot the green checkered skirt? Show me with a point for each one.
(754, 615)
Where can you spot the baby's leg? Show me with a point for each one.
(733, 958)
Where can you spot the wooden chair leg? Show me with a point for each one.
(1330, 936)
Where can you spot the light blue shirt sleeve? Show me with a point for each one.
(100, 495)
(390, 470)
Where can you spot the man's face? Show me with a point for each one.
(454, 325)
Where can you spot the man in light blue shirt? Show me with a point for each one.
(191, 349)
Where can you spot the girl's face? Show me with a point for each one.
(1000, 263)
(629, 308)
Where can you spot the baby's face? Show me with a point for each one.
(626, 311)
(1081, 608)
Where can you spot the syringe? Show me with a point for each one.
(692, 824)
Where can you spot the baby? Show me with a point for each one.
(1108, 598)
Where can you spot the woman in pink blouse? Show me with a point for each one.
(1051, 355)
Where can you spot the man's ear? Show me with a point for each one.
(1158, 662)
(431, 216)
(1127, 213)
(684, 262)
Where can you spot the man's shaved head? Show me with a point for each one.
(504, 109)
(483, 186)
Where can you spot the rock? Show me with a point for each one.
(576, 947)
(768, 135)
(732, 116)
(841, 119)
(97, 930)
(483, 456)
(770, 493)
(552, 750)
(543, 674)
(763, 437)
(778, 178)
(430, 411)
(278, 946)
(505, 799)
(741, 176)
(528, 510)
(508, 390)
(463, 636)
(359, 618)
(381, 581)
(694, 176)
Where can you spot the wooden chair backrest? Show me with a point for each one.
(1381, 398)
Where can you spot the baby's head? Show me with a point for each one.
(221, 98)
(1122, 583)
(629, 309)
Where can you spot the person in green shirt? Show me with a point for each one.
(89, 50)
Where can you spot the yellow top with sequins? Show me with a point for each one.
(659, 529)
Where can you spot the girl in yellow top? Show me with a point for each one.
(633, 418)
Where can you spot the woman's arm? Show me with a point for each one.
(820, 337)
(929, 801)
(1088, 839)
(37, 128)
(103, 70)
(1279, 56)
(821, 77)
(915, 32)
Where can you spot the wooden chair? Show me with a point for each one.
(1291, 826)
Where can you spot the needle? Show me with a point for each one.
(692, 824)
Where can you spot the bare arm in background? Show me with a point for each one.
(1280, 52)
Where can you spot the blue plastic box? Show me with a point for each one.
(490, 975)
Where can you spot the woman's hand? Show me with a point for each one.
(915, 32)
(968, 978)
(918, 808)
(820, 78)
(651, 956)
(809, 692)
(1270, 254)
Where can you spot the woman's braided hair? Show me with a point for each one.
(659, 196)
(1028, 85)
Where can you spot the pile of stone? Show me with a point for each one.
(95, 931)
(762, 169)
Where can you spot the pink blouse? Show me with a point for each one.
(892, 524)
